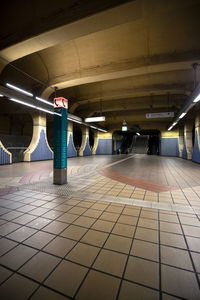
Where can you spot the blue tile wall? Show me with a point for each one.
(184, 154)
(104, 146)
(71, 151)
(87, 150)
(169, 147)
(196, 153)
(4, 157)
(42, 151)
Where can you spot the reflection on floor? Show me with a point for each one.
(104, 241)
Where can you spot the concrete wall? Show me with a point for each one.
(187, 146)
(196, 149)
(85, 149)
(39, 148)
(5, 155)
(169, 145)
(71, 150)
(104, 143)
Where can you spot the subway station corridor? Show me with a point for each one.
(100, 150)
(112, 232)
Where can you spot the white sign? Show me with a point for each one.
(124, 128)
(160, 115)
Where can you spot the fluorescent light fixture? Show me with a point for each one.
(103, 130)
(33, 106)
(170, 128)
(182, 115)
(57, 114)
(137, 133)
(44, 101)
(22, 102)
(197, 98)
(93, 127)
(45, 110)
(174, 124)
(19, 90)
(1, 95)
(95, 119)
(124, 128)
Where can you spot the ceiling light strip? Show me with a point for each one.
(19, 90)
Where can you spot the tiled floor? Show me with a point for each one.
(67, 247)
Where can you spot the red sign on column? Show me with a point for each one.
(60, 102)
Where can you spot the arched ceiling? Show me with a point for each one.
(124, 61)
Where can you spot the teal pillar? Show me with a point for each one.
(60, 142)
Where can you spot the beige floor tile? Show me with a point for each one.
(92, 213)
(129, 220)
(110, 262)
(39, 211)
(169, 218)
(46, 294)
(39, 223)
(21, 234)
(55, 227)
(170, 227)
(142, 271)
(130, 291)
(66, 278)
(148, 223)
(17, 287)
(25, 219)
(17, 256)
(171, 239)
(39, 239)
(167, 297)
(68, 218)
(179, 282)
(92, 287)
(4, 274)
(39, 266)
(106, 216)
(191, 230)
(125, 230)
(102, 225)
(6, 245)
(131, 212)
(83, 254)
(193, 243)
(99, 206)
(176, 257)
(114, 209)
(13, 215)
(60, 246)
(52, 214)
(145, 250)
(84, 221)
(148, 235)
(149, 215)
(77, 210)
(74, 232)
(63, 207)
(94, 237)
(118, 243)
(85, 204)
(8, 228)
(196, 260)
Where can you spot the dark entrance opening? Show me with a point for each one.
(77, 137)
(193, 135)
(91, 138)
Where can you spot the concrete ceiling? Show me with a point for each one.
(123, 61)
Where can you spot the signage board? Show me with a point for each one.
(160, 115)
(60, 102)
